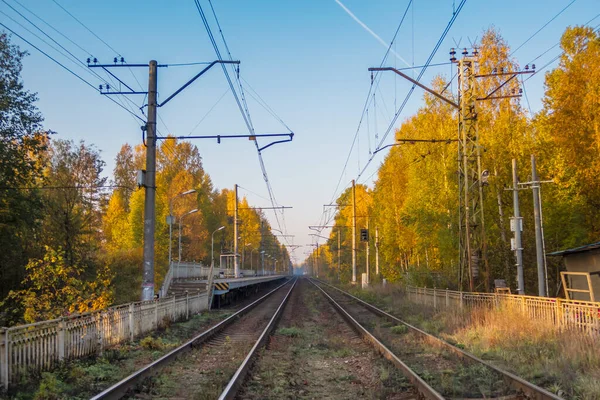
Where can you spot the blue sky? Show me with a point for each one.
(307, 59)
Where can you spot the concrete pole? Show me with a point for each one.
(517, 224)
(179, 248)
(317, 260)
(236, 261)
(339, 252)
(150, 185)
(377, 251)
(367, 245)
(539, 246)
(353, 232)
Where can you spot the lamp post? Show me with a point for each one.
(212, 248)
(244, 253)
(251, 267)
(263, 261)
(171, 219)
(180, 221)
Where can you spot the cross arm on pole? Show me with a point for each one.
(433, 92)
(198, 75)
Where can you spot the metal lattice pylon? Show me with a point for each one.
(471, 226)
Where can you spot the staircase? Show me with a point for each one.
(180, 286)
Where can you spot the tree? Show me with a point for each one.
(22, 145)
(73, 207)
(53, 288)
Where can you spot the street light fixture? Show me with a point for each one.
(180, 221)
(171, 220)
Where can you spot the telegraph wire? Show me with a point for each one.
(85, 26)
(409, 94)
(53, 28)
(436, 47)
(209, 111)
(367, 101)
(539, 30)
(243, 108)
(67, 69)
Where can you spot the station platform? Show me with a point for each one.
(221, 285)
(224, 285)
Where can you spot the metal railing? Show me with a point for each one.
(564, 314)
(187, 271)
(42, 345)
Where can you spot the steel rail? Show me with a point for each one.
(237, 380)
(121, 388)
(530, 390)
(420, 385)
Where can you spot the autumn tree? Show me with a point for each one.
(22, 146)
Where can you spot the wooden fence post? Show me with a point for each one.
(61, 339)
(462, 302)
(4, 357)
(131, 323)
(447, 298)
(434, 299)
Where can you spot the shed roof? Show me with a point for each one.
(580, 249)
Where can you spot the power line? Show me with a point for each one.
(53, 28)
(409, 94)
(367, 102)
(539, 30)
(66, 68)
(242, 105)
(209, 111)
(85, 26)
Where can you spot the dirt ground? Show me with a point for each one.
(314, 354)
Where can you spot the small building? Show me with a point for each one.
(582, 259)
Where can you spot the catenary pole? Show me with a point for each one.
(353, 231)
(539, 246)
(517, 228)
(150, 185)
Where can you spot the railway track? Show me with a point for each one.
(436, 368)
(208, 357)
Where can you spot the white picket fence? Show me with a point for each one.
(41, 346)
(564, 314)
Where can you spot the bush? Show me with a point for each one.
(399, 329)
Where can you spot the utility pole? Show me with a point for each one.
(377, 251)
(150, 185)
(367, 245)
(472, 247)
(236, 261)
(353, 232)
(317, 259)
(149, 175)
(517, 227)
(339, 253)
(539, 246)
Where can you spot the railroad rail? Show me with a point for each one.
(523, 388)
(128, 384)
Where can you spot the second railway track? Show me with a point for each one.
(436, 368)
(202, 367)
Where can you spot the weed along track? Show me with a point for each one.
(202, 367)
(435, 367)
(314, 354)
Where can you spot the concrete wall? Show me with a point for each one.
(588, 261)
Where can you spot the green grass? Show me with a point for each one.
(290, 332)
(399, 329)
